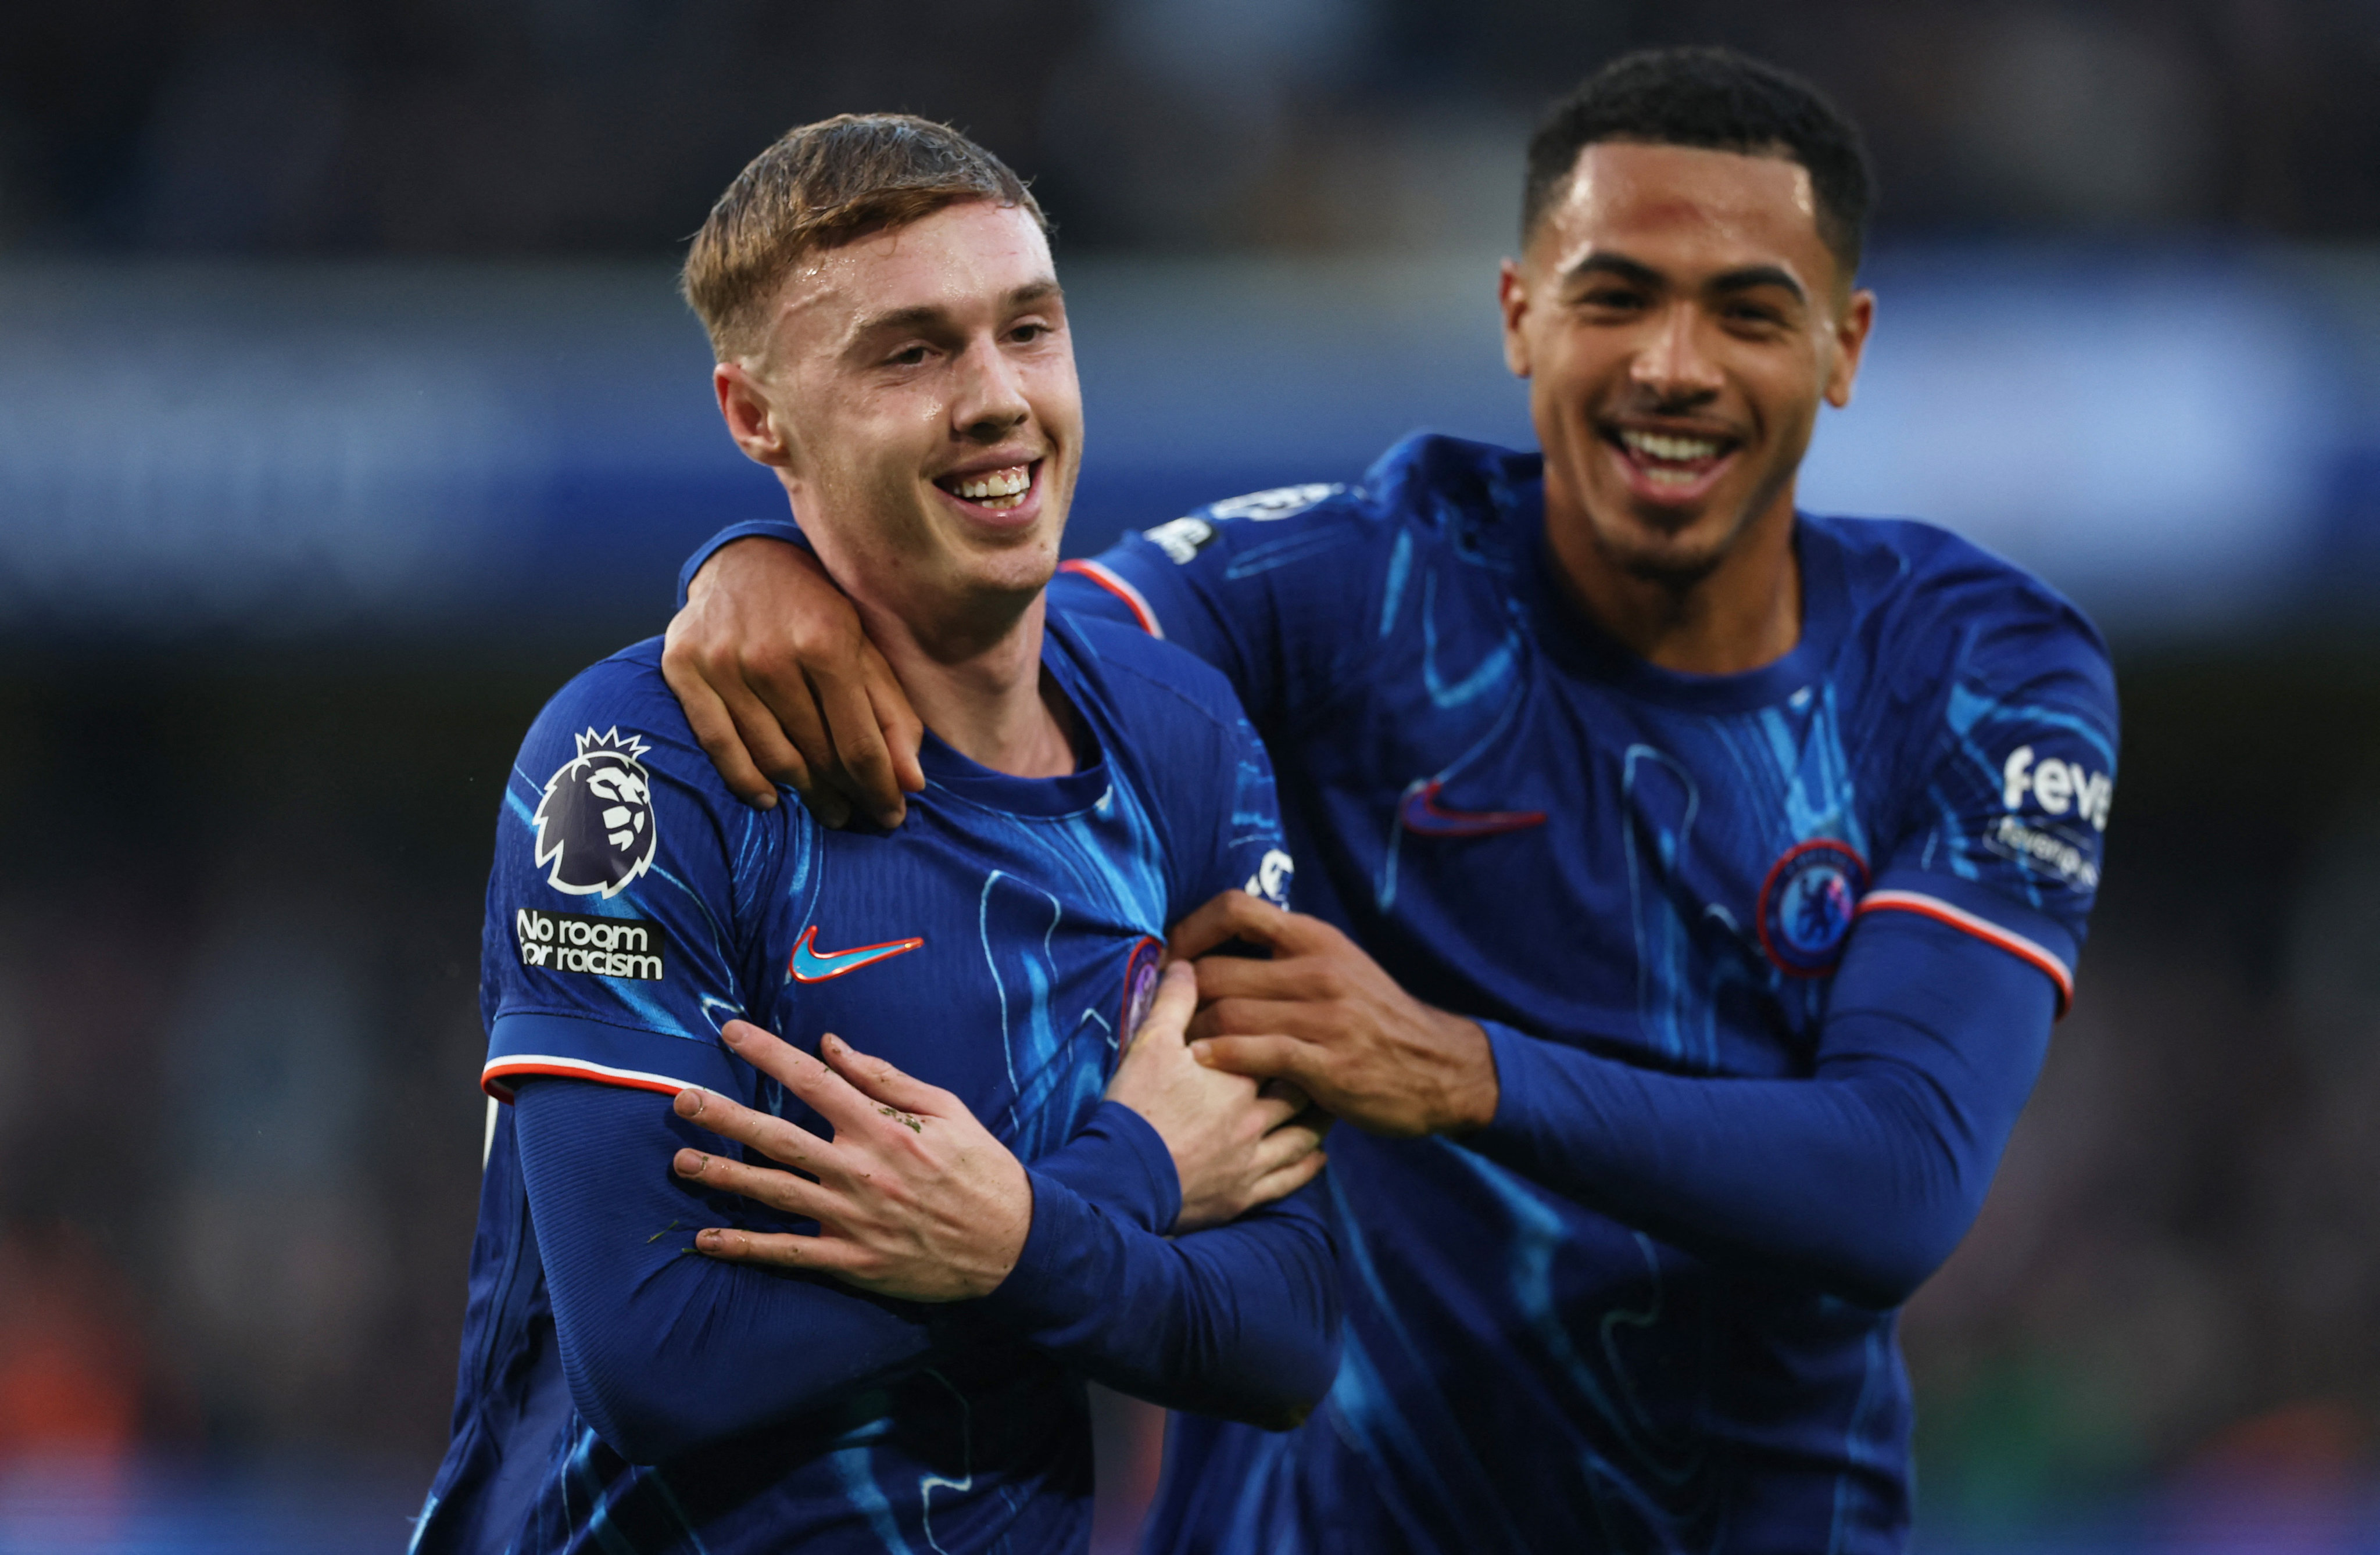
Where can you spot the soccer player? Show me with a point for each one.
(885, 1352)
(1731, 862)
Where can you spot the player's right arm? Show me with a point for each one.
(780, 683)
(619, 940)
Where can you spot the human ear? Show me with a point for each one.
(1851, 326)
(1512, 299)
(751, 418)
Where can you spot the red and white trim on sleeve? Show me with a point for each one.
(1131, 596)
(1982, 928)
(493, 1078)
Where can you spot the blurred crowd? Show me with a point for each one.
(520, 127)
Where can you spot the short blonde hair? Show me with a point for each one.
(820, 187)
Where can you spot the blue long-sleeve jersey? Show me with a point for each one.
(620, 1392)
(1767, 963)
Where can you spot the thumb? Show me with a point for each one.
(880, 1081)
(1168, 1020)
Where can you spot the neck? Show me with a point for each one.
(979, 688)
(1743, 612)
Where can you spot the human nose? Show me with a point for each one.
(1672, 364)
(991, 401)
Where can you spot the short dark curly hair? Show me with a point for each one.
(1719, 99)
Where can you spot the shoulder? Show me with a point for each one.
(1429, 486)
(1474, 497)
(1145, 685)
(614, 736)
(1931, 604)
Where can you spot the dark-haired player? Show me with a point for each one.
(1730, 862)
(886, 1353)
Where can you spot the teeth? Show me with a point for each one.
(998, 488)
(1681, 450)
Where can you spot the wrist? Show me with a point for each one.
(1474, 1091)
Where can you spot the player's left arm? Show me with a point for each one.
(1860, 1176)
(1239, 1321)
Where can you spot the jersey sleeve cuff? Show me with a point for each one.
(1522, 1082)
(1054, 1284)
(1120, 1162)
(524, 1043)
(2031, 936)
(767, 528)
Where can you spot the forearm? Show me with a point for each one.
(1240, 1321)
(1859, 1178)
(1119, 1163)
(666, 1350)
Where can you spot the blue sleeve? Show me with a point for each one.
(666, 1350)
(2008, 822)
(785, 528)
(1859, 1178)
(1280, 591)
(623, 899)
(1240, 1321)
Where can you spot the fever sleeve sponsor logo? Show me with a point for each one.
(596, 947)
(2046, 801)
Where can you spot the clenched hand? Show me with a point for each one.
(1235, 1145)
(1323, 1015)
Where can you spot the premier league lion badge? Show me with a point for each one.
(595, 823)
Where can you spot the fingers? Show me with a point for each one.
(1288, 1180)
(1285, 1147)
(904, 730)
(863, 760)
(1230, 915)
(1177, 998)
(774, 1137)
(1290, 1092)
(786, 738)
(778, 1249)
(879, 1082)
(828, 1093)
(1264, 1057)
(1308, 1022)
(777, 1190)
(714, 728)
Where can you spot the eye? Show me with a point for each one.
(1024, 334)
(913, 357)
(1613, 297)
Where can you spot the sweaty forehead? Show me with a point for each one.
(1724, 209)
(963, 259)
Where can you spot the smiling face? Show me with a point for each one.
(916, 390)
(1678, 320)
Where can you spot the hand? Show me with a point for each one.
(913, 1197)
(777, 677)
(1235, 1145)
(1322, 1014)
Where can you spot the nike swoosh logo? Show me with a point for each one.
(1423, 815)
(811, 965)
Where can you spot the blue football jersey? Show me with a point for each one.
(1000, 944)
(1531, 825)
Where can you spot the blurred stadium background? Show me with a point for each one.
(345, 409)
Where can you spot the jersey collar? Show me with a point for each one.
(1577, 642)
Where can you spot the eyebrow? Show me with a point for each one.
(1637, 272)
(926, 314)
